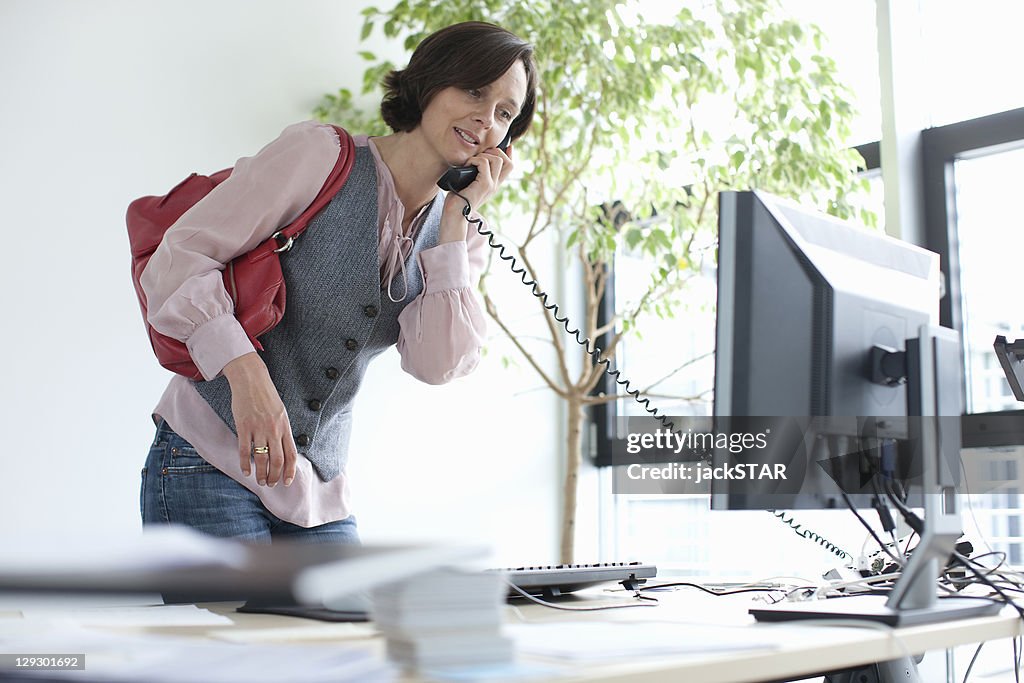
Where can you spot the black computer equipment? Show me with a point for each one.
(827, 334)
(1011, 358)
(998, 429)
(552, 581)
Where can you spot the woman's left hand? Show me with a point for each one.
(493, 166)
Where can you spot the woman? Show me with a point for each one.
(390, 260)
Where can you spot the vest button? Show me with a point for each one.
(302, 440)
(351, 344)
(315, 405)
(370, 311)
(332, 373)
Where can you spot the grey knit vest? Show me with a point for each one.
(336, 319)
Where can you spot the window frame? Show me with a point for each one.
(941, 147)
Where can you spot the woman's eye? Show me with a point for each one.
(507, 115)
(474, 92)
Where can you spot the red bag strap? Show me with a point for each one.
(339, 174)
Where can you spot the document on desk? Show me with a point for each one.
(156, 658)
(612, 640)
(158, 547)
(153, 615)
(332, 632)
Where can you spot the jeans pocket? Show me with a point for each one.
(184, 459)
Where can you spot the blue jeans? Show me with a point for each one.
(179, 487)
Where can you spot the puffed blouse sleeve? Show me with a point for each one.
(442, 331)
(182, 281)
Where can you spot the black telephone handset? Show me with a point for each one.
(458, 178)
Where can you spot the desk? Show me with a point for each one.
(803, 651)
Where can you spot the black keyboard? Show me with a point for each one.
(553, 580)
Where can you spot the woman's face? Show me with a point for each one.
(460, 124)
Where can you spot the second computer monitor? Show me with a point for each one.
(803, 299)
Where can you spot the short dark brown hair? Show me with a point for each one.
(467, 55)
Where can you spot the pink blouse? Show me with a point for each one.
(441, 331)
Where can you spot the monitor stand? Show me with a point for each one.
(876, 608)
(931, 393)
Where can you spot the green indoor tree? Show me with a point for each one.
(654, 118)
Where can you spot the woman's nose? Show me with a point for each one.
(486, 118)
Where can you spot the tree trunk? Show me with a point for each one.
(573, 445)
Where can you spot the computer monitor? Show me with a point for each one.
(826, 343)
(802, 299)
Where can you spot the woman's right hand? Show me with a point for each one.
(261, 420)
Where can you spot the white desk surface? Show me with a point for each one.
(803, 650)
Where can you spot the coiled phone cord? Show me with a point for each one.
(592, 349)
(810, 535)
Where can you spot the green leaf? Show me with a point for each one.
(633, 237)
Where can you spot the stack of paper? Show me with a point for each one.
(444, 618)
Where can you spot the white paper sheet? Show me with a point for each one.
(612, 640)
(18, 602)
(158, 547)
(157, 615)
(343, 631)
(116, 657)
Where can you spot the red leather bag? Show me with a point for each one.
(253, 280)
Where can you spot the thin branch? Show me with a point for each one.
(602, 283)
(617, 337)
(531, 390)
(598, 369)
(549, 320)
(572, 178)
(531, 337)
(590, 302)
(542, 156)
(591, 305)
(677, 370)
(544, 228)
(690, 99)
(608, 398)
(492, 311)
(608, 326)
(704, 204)
(600, 289)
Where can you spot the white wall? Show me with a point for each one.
(104, 101)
